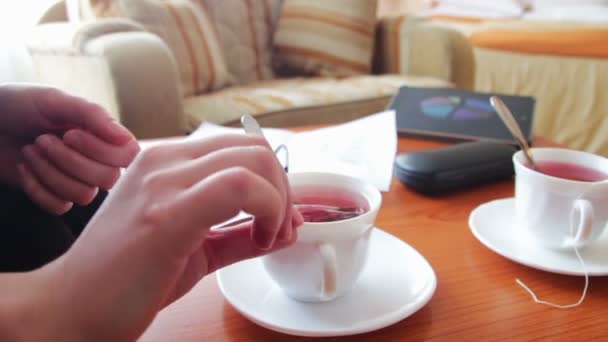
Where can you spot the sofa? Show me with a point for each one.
(132, 72)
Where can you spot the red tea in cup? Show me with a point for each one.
(328, 204)
(570, 171)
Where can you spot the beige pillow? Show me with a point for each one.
(245, 29)
(328, 38)
(184, 27)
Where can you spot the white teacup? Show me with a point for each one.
(328, 257)
(557, 212)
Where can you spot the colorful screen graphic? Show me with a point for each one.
(458, 114)
(453, 107)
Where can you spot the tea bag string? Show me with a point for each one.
(559, 306)
(583, 267)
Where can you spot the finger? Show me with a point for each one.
(257, 159)
(226, 246)
(222, 248)
(215, 199)
(202, 147)
(96, 149)
(227, 151)
(56, 181)
(37, 193)
(76, 165)
(196, 148)
(296, 218)
(66, 111)
(285, 231)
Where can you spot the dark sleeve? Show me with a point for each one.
(77, 218)
(31, 237)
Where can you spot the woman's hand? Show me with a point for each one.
(59, 149)
(150, 242)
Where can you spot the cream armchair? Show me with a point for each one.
(132, 74)
(116, 64)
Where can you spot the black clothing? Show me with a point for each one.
(31, 237)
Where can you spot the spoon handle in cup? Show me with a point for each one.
(507, 117)
(251, 126)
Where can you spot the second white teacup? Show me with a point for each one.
(554, 207)
(328, 257)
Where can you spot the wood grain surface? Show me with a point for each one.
(476, 299)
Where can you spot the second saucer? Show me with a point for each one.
(493, 225)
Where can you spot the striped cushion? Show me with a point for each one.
(187, 31)
(245, 29)
(329, 38)
(228, 105)
(189, 34)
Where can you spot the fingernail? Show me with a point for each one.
(28, 150)
(297, 219)
(44, 140)
(285, 234)
(296, 222)
(262, 240)
(67, 206)
(122, 134)
(72, 136)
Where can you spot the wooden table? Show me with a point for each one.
(476, 299)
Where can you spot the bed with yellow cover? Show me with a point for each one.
(564, 65)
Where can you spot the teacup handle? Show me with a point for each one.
(581, 222)
(330, 270)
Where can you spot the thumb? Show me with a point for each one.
(65, 111)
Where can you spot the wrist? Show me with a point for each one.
(22, 308)
(30, 309)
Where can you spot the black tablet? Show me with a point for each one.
(453, 114)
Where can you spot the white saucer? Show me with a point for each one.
(396, 282)
(492, 224)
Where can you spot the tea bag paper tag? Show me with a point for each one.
(364, 148)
